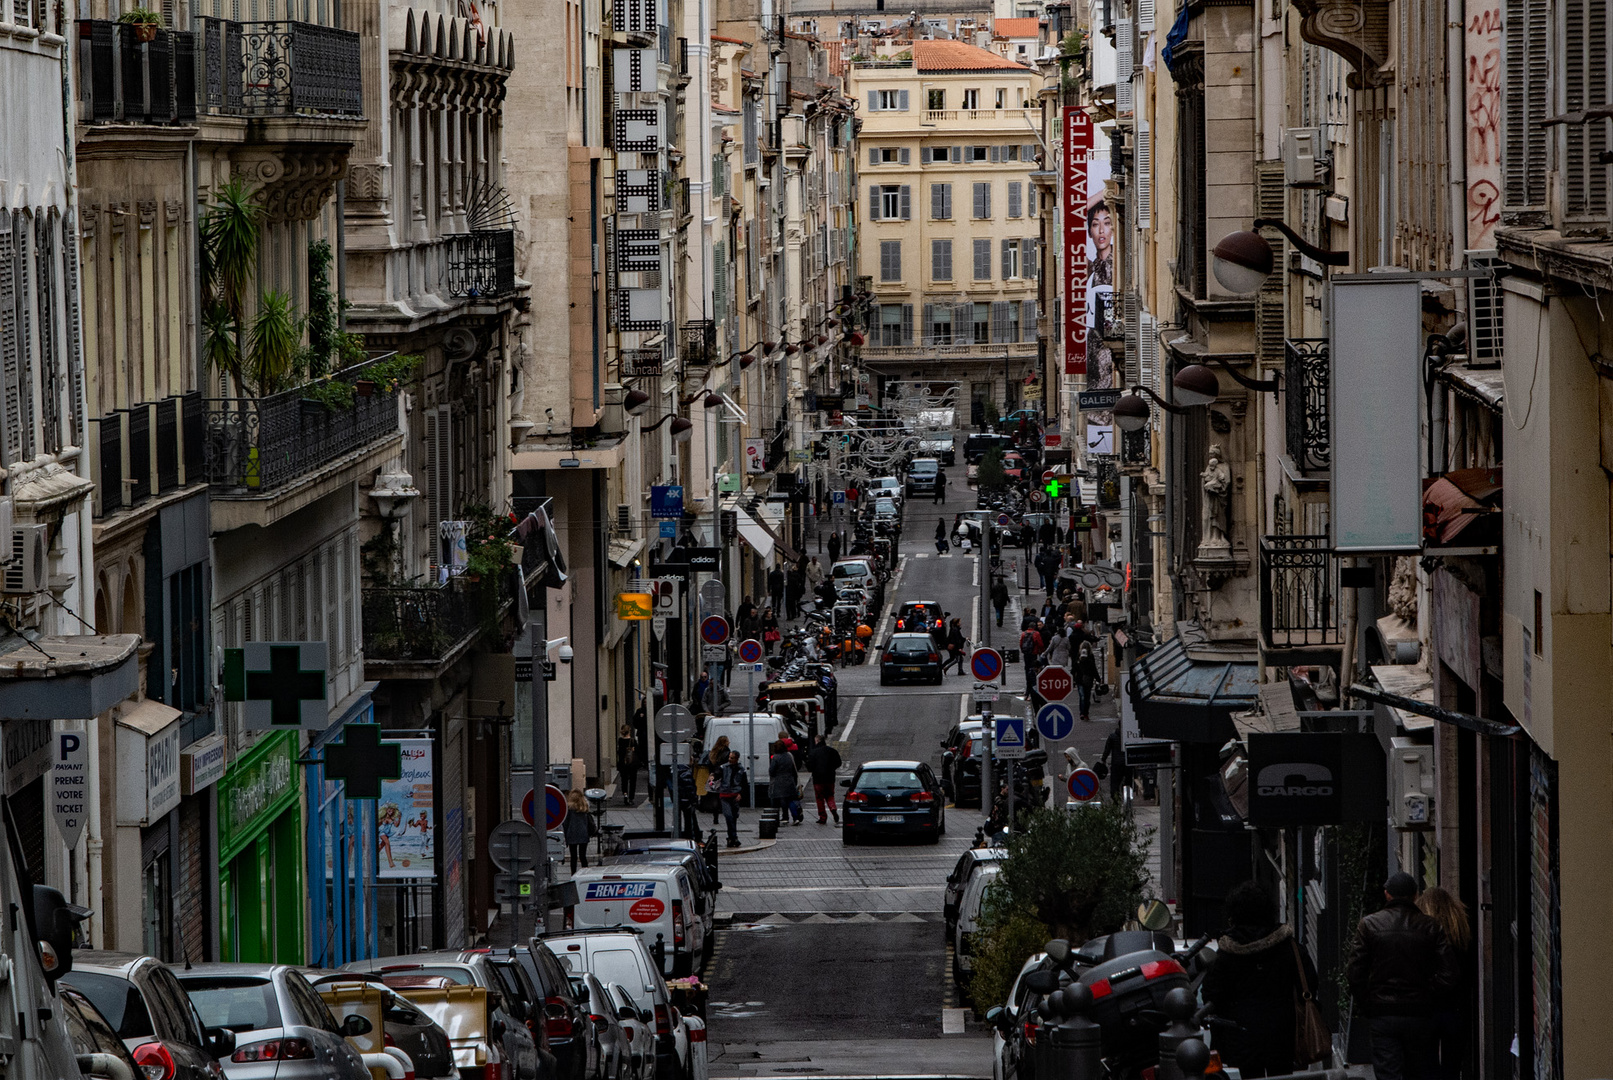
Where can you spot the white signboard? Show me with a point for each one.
(69, 784)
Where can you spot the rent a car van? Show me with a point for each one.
(659, 901)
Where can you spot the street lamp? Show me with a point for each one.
(1131, 411)
(681, 427)
(1196, 384)
(635, 402)
(1243, 260)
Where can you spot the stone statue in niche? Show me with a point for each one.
(1216, 480)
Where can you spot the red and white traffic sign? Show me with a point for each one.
(1083, 785)
(714, 629)
(1054, 683)
(986, 664)
(750, 651)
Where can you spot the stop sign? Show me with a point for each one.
(1054, 683)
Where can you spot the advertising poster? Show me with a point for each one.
(405, 827)
(1077, 149)
(1101, 318)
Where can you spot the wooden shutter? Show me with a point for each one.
(907, 315)
(1027, 319)
(1129, 313)
(999, 322)
(11, 360)
(982, 260)
(927, 331)
(1029, 248)
(873, 156)
(1584, 65)
(906, 199)
(1148, 360)
(957, 155)
(901, 103)
(1015, 198)
(873, 101)
(1145, 176)
(1008, 259)
(1526, 94)
(873, 202)
(907, 156)
(1124, 52)
(1145, 15)
(940, 261)
(1271, 201)
(938, 202)
(719, 279)
(924, 155)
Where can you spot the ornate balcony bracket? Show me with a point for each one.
(292, 181)
(1357, 30)
(1216, 569)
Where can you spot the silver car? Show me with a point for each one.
(283, 1028)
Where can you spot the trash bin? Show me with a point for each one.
(767, 827)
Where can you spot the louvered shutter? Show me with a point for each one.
(10, 354)
(437, 442)
(938, 202)
(1129, 312)
(1124, 52)
(940, 261)
(928, 329)
(957, 155)
(901, 103)
(1028, 154)
(719, 278)
(907, 202)
(999, 322)
(873, 156)
(1271, 199)
(1029, 250)
(873, 101)
(996, 155)
(1145, 176)
(1027, 320)
(1145, 15)
(1030, 200)
(924, 155)
(982, 260)
(1526, 91)
(907, 156)
(1008, 259)
(873, 202)
(1147, 360)
(907, 316)
(1584, 65)
(1483, 309)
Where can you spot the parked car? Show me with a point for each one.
(963, 870)
(1017, 1027)
(612, 1057)
(283, 1030)
(1014, 465)
(965, 751)
(978, 445)
(509, 1004)
(886, 487)
(968, 921)
(621, 956)
(91, 1034)
(659, 900)
(404, 1024)
(705, 900)
(919, 615)
(564, 1012)
(910, 657)
(146, 1006)
(699, 1062)
(893, 798)
(639, 1027)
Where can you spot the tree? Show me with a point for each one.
(1071, 874)
(230, 232)
(990, 475)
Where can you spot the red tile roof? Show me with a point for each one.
(1017, 28)
(959, 57)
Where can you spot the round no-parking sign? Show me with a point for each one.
(1083, 785)
(986, 664)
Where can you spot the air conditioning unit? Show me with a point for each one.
(613, 418)
(1304, 157)
(28, 570)
(624, 518)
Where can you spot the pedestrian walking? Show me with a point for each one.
(814, 574)
(746, 610)
(1086, 677)
(1450, 1019)
(999, 597)
(941, 544)
(1030, 647)
(688, 802)
(1401, 969)
(1254, 984)
(823, 763)
(834, 548)
(957, 646)
(1058, 647)
(628, 763)
(794, 588)
(701, 694)
(731, 784)
(783, 782)
(775, 587)
(770, 631)
(940, 485)
(1113, 765)
(577, 827)
(711, 765)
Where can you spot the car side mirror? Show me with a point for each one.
(354, 1025)
(949, 757)
(994, 1016)
(624, 1013)
(498, 1029)
(220, 1042)
(845, 783)
(57, 922)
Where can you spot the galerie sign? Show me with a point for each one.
(1077, 148)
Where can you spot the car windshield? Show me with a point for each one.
(888, 780)
(117, 999)
(846, 570)
(885, 506)
(234, 1002)
(910, 646)
(458, 976)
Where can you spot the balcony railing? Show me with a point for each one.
(147, 449)
(425, 624)
(255, 445)
(481, 263)
(949, 352)
(698, 343)
(1299, 592)
(133, 81)
(1305, 373)
(280, 68)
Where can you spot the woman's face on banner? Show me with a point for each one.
(1102, 229)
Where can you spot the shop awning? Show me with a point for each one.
(755, 535)
(1187, 691)
(71, 677)
(770, 515)
(622, 551)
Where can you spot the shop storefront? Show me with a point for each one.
(260, 854)
(148, 793)
(341, 846)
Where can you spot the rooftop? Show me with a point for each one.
(1017, 28)
(955, 56)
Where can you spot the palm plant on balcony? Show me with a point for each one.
(145, 22)
(275, 343)
(230, 232)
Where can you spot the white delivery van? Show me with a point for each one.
(963, 941)
(739, 729)
(658, 901)
(620, 957)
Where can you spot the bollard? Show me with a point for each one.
(1192, 1057)
(1178, 1007)
(767, 825)
(1074, 1046)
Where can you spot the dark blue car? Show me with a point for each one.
(894, 798)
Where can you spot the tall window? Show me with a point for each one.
(982, 193)
(937, 99)
(1010, 259)
(1002, 97)
(1191, 224)
(982, 259)
(982, 320)
(971, 99)
(890, 260)
(895, 325)
(1016, 200)
(1028, 250)
(890, 202)
(941, 202)
(938, 324)
(941, 260)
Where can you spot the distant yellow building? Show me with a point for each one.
(951, 229)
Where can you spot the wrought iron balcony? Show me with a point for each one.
(429, 624)
(481, 263)
(1299, 593)
(1305, 373)
(147, 449)
(136, 82)
(280, 69)
(256, 445)
(698, 343)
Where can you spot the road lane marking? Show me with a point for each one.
(952, 1021)
(856, 708)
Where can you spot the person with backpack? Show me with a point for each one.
(1086, 678)
(1030, 647)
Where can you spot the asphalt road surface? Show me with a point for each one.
(832, 962)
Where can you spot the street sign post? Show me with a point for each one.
(712, 595)
(1083, 785)
(714, 630)
(554, 807)
(750, 651)
(1055, 721)
(1010, 737)
(513, 847)
(987, 664)
(675, 725)
(1054, 683)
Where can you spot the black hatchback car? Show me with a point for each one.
(894, 798)
(910, 656)
(144, 1003)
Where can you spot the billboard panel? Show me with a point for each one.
(1077, 148)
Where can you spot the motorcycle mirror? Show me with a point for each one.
(1058, 950)
(1042, 982)
(1153, 914)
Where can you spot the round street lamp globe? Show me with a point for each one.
(681, 427)
(856, 338)
(1243, 262)
(769, 346)
(1131, 413)
(635, 402)
(746, 360)
(1196, 384)
(712, 400)
(791, 349)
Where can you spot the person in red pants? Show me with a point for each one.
(822, 762)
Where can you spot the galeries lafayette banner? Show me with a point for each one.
(1077, 147)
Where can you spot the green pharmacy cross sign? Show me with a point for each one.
(363, 760)
(282, 683)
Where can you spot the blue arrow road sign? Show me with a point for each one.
(1054, 720)
(1010, 732)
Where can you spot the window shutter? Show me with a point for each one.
(873, 155)
(1015, 198)
(1029, 153)
(1145, 15)
(873, 101)
(1526, 91)
(1029, 249)
(1148, 359)
(938, 202)
(1123, 64)
(927, 330)
(1008, 258)
(901, 103)
(957, 155)
(941, 260)
(996, 155)
(907, 202)
(1145, 176)
(1584, 65)
(907, 156)
(999, 322)
(907, 309)
(1483, 309)
(946, 201)
(1129, 313)
(924, 155)
(719, 278)
(1027, 320)
(1271, 200)
(1030, 200)
(873, 202)
(982, 260)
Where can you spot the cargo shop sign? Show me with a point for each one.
(1315, 778)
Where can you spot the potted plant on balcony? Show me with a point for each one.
(146, 22)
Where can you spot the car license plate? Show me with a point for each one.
(889, 819)
(910, 669)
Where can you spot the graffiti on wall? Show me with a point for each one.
(1483, 106)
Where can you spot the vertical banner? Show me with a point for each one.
(1102, 320)
(405, 823)
(1077, 147)
(755, 456)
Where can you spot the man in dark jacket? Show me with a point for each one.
(775, 587)
(1400, 970)
(999, 598)
(1253, 982)
(731, 784)
(823, 761)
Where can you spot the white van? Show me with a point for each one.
(621, 957)
(738, 728)
(963, 936)
(658, 901)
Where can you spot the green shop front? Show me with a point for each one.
(261, 890)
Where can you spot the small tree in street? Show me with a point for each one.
(1070, 874)
(990, 475)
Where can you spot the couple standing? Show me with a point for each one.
(784, 784)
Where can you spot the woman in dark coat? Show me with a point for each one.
(1252, 984)
(784, 783)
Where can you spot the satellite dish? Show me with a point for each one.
(460, 344)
